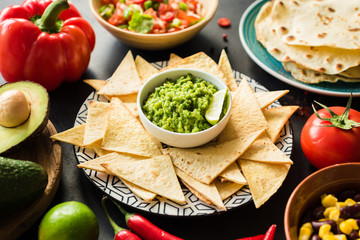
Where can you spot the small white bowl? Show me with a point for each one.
(181, 140)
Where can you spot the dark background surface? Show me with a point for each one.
(108, 53)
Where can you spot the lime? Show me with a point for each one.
(69, 221)
(213, 113)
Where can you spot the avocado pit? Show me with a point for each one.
(14, 108)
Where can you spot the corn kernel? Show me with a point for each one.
(328, 200)
(340, 237)
(352, 223)
(329, 237)
(341, 204)
(305, 231)
(345, 227)
(340, 220)
(328, 210)
(350, 202)
(324, 230)
(334, 214)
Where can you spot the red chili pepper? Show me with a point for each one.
(144, 228)
(120, 233)
(257, 237)
(45, 42)
(224, 22)
(270, 233)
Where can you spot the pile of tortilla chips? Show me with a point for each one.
(243, 154)
(315, 40)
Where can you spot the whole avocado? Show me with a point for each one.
(21, 182)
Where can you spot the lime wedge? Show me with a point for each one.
(213, 113)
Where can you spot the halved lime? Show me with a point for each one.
(213, 113)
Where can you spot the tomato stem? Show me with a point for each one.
(341, 121)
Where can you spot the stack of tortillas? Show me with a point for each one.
(243, 154)
(315, 40)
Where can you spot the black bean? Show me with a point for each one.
(318, 213)
(317, 224)
(357, 197)
(349, 193)
(354, 235)
(315, 237)
(350, 211)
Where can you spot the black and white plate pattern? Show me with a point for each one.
(114, 187)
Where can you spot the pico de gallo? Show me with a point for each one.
(156, 16)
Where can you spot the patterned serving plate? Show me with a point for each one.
(114, 187)
(263, 59)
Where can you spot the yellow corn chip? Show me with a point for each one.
(125, 79)
(227, 188)
(174, 58)
(225, 66)
(156, 175)
(144, 68)
(265, 99)
(208, 191)
(207, 162)
(277, 118)
(125, 134)
(95, 83)
(74, 136)
(232, 173)
(264, 179)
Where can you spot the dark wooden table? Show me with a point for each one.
(108, 53)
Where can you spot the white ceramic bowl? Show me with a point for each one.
(181, 140)
(156, 41)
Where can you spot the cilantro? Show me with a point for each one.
(141, 23)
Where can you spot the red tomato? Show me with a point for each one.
(118, 17)
(167, 16)
(325, 146)
(224, 22)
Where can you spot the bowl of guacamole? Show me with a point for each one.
(174, 107)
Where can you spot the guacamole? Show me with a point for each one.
(180, 105)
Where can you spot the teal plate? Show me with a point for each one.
(261, 57)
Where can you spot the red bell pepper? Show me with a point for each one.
(45, 42)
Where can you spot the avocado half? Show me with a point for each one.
(38, 99)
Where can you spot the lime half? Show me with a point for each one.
(213, 113)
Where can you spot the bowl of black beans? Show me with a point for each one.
(325, 205)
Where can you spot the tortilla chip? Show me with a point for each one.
(207, 162)
(144, 69)
(125, 79)
(74, 136)
(245, 116)
(125, 134)
(98, 149)
(277, 118)
(132, 107)
(207, 191)
(227, 188)
(174, 58)
(264, 150)
(265, 99)
(156, 174)
(264, 178)
(232, 173)
(225, 66)
(95, 122)
(95, 83)
(200, 61)
(95, 165)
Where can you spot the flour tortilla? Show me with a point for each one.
(95, 165)
(264, 178)
(144, 69)
(95, 122)
(201, 190)
(74, 136)
(313, 77)
(207, 162)
(277, 118)
(331, 23)
(156, 175)
(319, 58)
(125, 134)
(125, 80)
(225, 66)
(245, 116)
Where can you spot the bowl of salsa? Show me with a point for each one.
(177, 107)
(153, 24)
